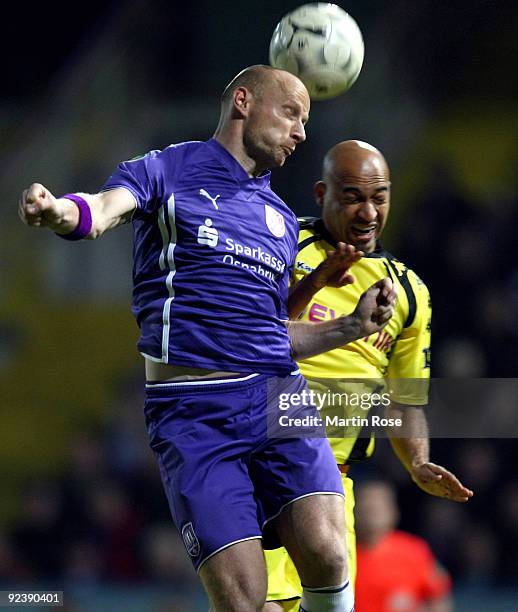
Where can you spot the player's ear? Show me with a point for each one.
(319, 191)
(241, 101)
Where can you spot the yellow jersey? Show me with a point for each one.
(400, 351)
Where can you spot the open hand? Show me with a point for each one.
(438, 481)
(334, 271)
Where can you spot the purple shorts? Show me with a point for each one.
(224, 477)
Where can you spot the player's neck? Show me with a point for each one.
(233, 143)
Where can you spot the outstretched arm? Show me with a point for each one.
(332, 272)
(412, 446)
(374, 310)
(39, 208)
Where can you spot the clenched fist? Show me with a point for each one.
(376, 306)
(39, 208)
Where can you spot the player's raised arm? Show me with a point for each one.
(373, 312)
(332, 272)
(76, 215)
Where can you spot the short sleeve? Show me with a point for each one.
(409, 361)
(142, 177)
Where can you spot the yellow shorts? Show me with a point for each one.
(283, 580)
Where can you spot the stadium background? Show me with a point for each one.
(81, 506)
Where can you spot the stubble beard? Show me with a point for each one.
(263, 156)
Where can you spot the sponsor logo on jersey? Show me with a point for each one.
(319, 312)
(256, 253)
(274, 221)
(207, 234)
(303, 266)
(381, 340)
(207, 195)
(190, 540)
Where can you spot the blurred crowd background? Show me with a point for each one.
(82, 508)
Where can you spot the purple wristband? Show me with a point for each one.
(84, 226)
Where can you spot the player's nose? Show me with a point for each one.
(298, 132)
(367, 212)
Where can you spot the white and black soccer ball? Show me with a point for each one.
(322, 45)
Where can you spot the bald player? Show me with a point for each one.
(214, 249)
(354, 197)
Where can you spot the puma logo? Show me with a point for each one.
(207, 195)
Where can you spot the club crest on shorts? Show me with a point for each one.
(274, 221)
(190, 540)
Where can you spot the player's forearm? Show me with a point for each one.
(81, 215)
(108, 210)
(410, 441)
(67, 216)
(300, 296)
(308, 339)
(101, 221)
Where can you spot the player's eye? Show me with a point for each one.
(350, 199)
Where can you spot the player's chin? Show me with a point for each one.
(280, 159)
(367, 246)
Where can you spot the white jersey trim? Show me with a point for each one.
(163, 232)
(166, 260)
(151, 358)
(204, 381)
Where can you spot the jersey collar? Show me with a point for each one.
(235, 168)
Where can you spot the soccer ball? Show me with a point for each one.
(322, 45)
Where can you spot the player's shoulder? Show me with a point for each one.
(401, 268)
(183, 149)
(311, 231)
(171, 151)
(307, 223)
(307, 227)
(310, 248)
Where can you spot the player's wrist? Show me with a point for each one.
(351, 327)
(78, 224)
(63, 222)
(314, 282)
(416, 469)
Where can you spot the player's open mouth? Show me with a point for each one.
(365, 233)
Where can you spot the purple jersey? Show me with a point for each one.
(213, 253)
